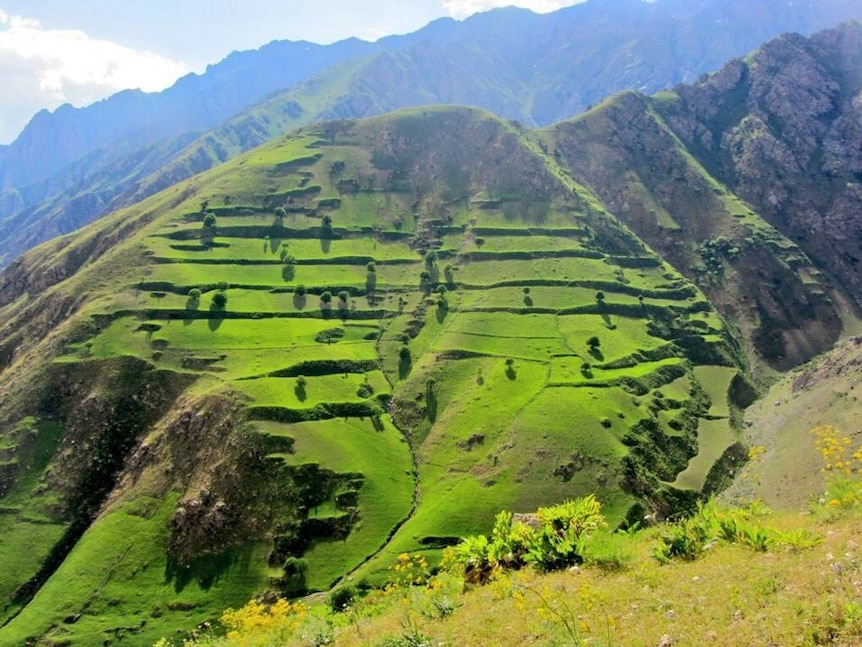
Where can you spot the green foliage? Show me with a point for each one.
(219, 299)
(194, 294)
(341, 598)
(690, 537)
(551, 540)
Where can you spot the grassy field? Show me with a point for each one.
(475, 358)
(386, 496)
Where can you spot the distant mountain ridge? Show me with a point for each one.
(73, 165)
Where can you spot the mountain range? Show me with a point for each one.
(74, 165)
(365, 337)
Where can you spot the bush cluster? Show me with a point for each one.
(551, 539)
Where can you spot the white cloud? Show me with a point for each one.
(44, 68)
(464, 8)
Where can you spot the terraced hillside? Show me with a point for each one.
(362, 339)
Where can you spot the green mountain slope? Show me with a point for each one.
(366, 338)
(177, 462)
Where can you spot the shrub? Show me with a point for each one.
(326, 296)
(194, 294)
(340, 599)
(219, 299)
(841, 465)
(300, 290)
(553, 540)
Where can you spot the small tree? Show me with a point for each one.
(300, 290)
(593, 343)
(600, 297)
(208, 229)
(371, 267)
(326, 227)
(343, 296)
(326, 297)
(220, 299)
(280, 213)
(195, 294)
(425, 281)
(431, 258)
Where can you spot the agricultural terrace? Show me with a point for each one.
(443, 355)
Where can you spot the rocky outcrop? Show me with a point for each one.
(783, 129)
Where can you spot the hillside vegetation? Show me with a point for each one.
(725, 576)
(365, 339)
(340, 347)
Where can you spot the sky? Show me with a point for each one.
(79, 51)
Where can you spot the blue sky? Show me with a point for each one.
(79, 51)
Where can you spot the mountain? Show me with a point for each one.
(534, 68)
(366, 337)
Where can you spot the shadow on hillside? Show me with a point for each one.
(207, 570)
(216, 317)
(274, 243)
(405, 363)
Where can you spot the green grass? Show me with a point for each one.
(114, 584)
(386, 496)
(713, 437)
(488, 273)
(536, 243)
(319, 276)
(319, 390)
(619, 336)
(715, 380)
(485, 435)
(270, 250)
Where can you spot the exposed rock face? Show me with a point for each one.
(783, 129)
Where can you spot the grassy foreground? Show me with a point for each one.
(731, 595)
(725, 576)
